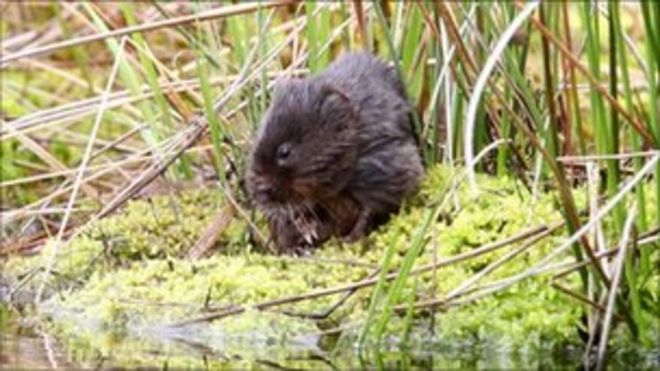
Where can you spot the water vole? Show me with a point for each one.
(335, 154)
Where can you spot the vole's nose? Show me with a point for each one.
(269, 192)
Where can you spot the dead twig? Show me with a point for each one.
(616, 156)
(217, 225)
(326, 313)
(621, 257)
(79, 176)
(582, 298)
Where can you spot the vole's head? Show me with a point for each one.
(306, 144)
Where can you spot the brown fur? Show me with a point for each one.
(335, 155)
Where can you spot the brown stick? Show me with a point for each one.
(359, 16)
(582, 298)
(217, 225)
(199, 124)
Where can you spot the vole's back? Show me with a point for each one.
(388, 164)
(378, 93)
(354, 67)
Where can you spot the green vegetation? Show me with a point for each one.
(126, 278)
(103, 103)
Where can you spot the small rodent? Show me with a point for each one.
(335, 154)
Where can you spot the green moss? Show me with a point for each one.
(127, 277)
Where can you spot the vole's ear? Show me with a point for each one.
(335, 107)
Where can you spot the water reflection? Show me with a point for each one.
(23, 347)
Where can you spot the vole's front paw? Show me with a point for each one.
(300, 250)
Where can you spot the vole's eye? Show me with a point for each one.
(283, 153)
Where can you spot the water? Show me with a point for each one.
(24, 346)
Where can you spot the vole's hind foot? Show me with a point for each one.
(360, 228)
